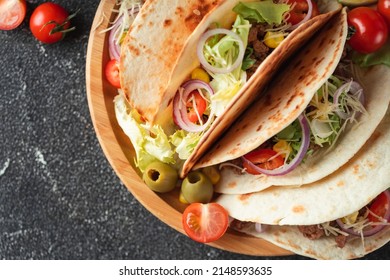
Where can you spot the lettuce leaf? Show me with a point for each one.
(150, 142)
(185, 143)
(381, 56)
(262, 11)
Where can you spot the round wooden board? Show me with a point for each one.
(119, 152)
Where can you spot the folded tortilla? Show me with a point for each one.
(325, 248)
(159, 53)
(347, 190)
(285, 101)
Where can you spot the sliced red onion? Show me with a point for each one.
(355, 89)
(114, 47)
(307, 17)
(286, 168)
(370, 231)
(180, 106)
(220, 70)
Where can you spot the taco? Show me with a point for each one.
(184, 81)
(328, 114)
(345, 215)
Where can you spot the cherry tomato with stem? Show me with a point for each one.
(50, 22)
(112, 73)
(195, 98)
(12, 13)
(370, 30)
(263, 158)
(383, 8)
(205, 222)
(299, 10)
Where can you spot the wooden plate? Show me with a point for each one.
(120, 154)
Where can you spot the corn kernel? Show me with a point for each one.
(182, 198)
(273, 39)
(283, 148)
(200, 74)
(350, 219)
(212, 173)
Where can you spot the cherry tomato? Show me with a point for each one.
(299, 10)
(200, 106)
(205, 222)
(379, 206)
(371, 30)
(12, 13)
(263, 158)
(383, 7)
(112, 73)
(49, 22)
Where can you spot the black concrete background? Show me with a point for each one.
(59, 198)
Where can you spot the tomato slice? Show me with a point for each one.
(263, 158)
(379, 207)
(200, 106)
(205, 222)
(12, 13)
(112, 73)
(299, 10)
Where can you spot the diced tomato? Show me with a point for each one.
(112, 73)
(263, 158)
(299, 10)
(379, 207)
(200, 106)
(205, 222)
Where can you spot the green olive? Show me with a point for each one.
(196, 187)
(160, 177)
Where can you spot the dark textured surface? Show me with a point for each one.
(59, 198)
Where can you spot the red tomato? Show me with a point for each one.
(205, 222)
(12, 13)
(112, 73)
(379, 207)
(383, 7)
(371, 30)
(200, 106)
(299, 10)
(49, 22)
(262, 159)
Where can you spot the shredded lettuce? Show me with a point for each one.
(185, 143)
(150, 142)
(262, 11)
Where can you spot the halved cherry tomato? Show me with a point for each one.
(200, 106)
(263, 158)
(383, 7)
(112, 73)
(12, 13)
(49, 22)
(371, 30)
(379, 207)
(299, 10)
(205, 222)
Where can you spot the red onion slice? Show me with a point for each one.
(355, 89)
(219, 70)
(180, 106)
(307, 17)
(114, 48)
(286, 168)
(370, 231)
